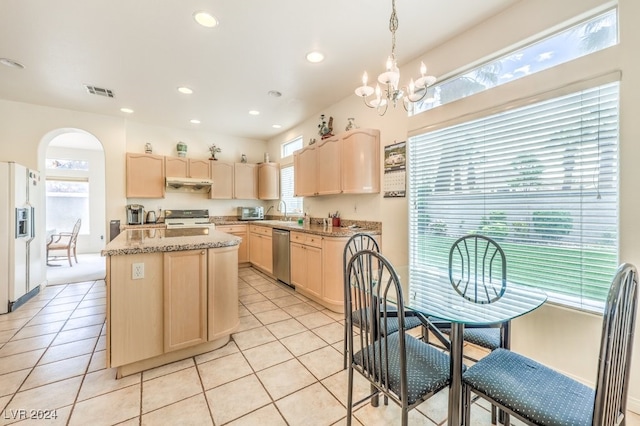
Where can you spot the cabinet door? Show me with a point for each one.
(255, 249)
(238, 231)
(245, 181)
(361, 161)
(328, 167)
(222, 176)
(145, 176)
(185, 299)
(223, 292)
(314, 270)
(199, 169)
(267, 254)
(298, 265)
(269, 181)
(176, 167)
(304, 166)
(135, 312)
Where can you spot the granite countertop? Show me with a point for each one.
(152, 240)
(316, 228)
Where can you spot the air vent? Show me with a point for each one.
(99, 91)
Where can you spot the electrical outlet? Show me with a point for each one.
(137, 271)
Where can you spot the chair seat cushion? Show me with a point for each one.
(533, 391)
(486, 337)
(392, 323)
(427, 367)
(58, 246)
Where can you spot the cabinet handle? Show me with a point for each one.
(202, 252)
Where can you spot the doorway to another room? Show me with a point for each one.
(74, 174)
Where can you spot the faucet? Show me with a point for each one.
(285, 208)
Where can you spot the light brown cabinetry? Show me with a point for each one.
(245, 177)
(223, 292)
(145, 176)
(185, 299)
(242, 232)
(222, 176)
(134, 302)
(186, 167)
(269, 181)
(260, 247)
(306, 263)
(347, 163)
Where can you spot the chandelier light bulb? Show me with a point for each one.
(423, 69)
(365, 78)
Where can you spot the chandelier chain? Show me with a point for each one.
(393, 26)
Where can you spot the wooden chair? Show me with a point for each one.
(398, 365)
(538, 395)
(64, 241)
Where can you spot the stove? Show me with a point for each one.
(176, 219)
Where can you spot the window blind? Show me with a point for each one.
(542, 180)
(294, 204)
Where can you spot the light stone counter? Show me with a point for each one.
(152, 240)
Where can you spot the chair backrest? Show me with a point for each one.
(74, 233)
(374, 288)
(355, 244)
(615, 347)
(478, 268)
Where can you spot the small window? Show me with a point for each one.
(60, 164)
(294, 204)
(288, 148)
(587, 37)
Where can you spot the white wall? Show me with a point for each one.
(565, 339)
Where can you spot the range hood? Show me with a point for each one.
(189, 184)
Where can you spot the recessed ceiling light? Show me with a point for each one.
(274, 93)
(11, 63)
(185, 90)
(194, 121)
(315, 57)
(276, 126)
(127, 110)
(205, 19)
(254, 112)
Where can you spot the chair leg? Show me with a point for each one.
(350, 396)
(69, 256)
(405, 416)
(466, 405)
(345, 347)
(74, 254)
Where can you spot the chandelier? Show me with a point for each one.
(416, 91)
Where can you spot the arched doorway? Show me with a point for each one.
(73, 170)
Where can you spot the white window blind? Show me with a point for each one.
(542, 180)
(294, 204)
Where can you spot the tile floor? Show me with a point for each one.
(283, 367)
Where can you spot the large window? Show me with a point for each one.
(586, 37)
(542, 180)
(294, 204)
(67, 188)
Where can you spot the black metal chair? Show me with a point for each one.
(538, 395)
(398, 365)
(356, 243)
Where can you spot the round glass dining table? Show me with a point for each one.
(431, 294)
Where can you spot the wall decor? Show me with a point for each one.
(395, 170)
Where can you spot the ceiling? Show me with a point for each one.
(143, 50)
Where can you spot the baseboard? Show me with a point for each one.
(633, 405)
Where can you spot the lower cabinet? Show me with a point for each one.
(260, 247)
(306, 267)
(185, 299)
(238, 231)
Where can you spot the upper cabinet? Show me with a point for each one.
(222, 176)
(145, 176)
(187, 167)
(348, 163)
(269, 181)
(245, 177)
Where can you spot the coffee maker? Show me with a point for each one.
(135, 214)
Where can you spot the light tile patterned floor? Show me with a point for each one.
(283, 367)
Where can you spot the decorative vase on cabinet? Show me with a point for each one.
(181, 147)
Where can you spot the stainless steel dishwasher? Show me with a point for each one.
(281, 256)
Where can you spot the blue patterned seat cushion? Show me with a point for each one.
(392, 322)
(533, 391)
(427, 367)
(487, 337)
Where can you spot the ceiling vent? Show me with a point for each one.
(99, 91)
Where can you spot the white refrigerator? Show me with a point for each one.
(22, 267)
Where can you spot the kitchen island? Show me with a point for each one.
(171, 294)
